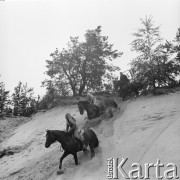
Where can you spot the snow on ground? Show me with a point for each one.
(144, 130)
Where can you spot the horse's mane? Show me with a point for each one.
(57, 132)
(84, 102)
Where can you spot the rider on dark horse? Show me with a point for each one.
(124, 85)
(93, 101)
(72, 129)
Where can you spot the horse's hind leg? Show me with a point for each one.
(75, 158)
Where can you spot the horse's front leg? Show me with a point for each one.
(75, 158)
(61, 159)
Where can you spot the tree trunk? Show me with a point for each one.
(74, 91)
(81, 89)
(154, 86)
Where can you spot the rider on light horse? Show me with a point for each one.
(71, 123)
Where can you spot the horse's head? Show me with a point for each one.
(49, 138)
(81, 107)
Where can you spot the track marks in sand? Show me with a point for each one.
(153, 138)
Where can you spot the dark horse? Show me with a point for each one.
(69, 144)
(93, 111)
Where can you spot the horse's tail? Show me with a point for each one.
(94, 140)
(97, 143)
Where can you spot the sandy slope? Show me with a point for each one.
(146, 129)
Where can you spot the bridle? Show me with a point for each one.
(50, 133)
(51, 138)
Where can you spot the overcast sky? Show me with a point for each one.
(31, 29)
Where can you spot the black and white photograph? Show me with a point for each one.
(89, 89)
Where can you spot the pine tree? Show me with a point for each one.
(23, 100)
(4, 99)
(154, 65)
(146, 44)
(82, 64)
